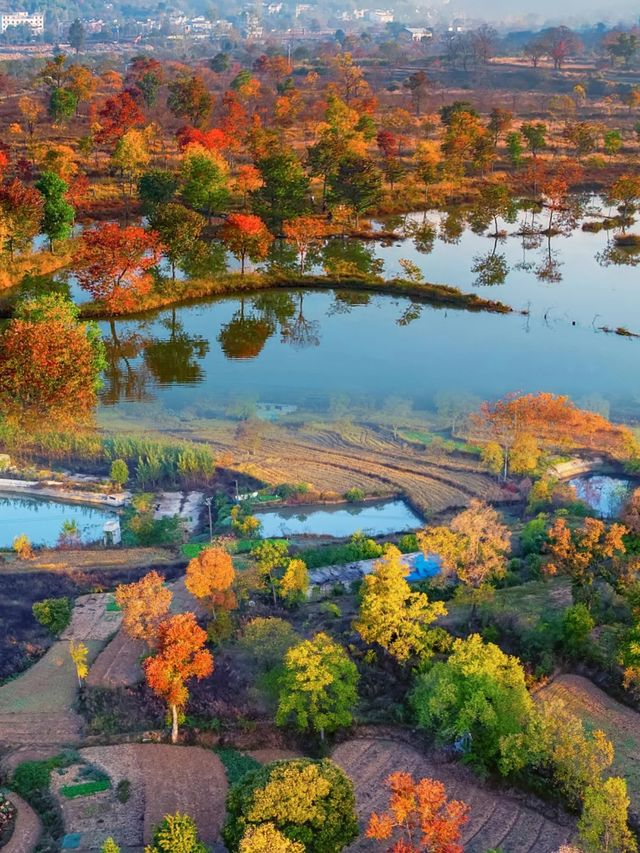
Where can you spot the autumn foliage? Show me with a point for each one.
(145, 604)
(209, 578)
(113, 264)
(180, 656)
(420, 813)
(246, 236)
(49, 363)
(553, 420)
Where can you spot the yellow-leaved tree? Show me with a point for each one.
(393, 616)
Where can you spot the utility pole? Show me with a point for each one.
(208, 503)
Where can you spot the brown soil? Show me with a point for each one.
(85, 560)
(498, 818)
(164, 779)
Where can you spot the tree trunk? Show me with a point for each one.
(174, 724)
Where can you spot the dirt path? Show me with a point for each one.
(36, 709)
(164, 779)
(27, 829)
(497, 820)
(118, 665)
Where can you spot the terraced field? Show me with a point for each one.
(497, 819)
(600, 711)
(336, 461)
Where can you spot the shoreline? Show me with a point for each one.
(232, 285)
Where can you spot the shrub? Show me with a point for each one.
(354, 495)
(268, 640)
(123, 790)
(236, 764)
(577, 624)
(53, 613)
(311, 802)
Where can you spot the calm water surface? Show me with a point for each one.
(371, 519)
(42, 520)
(604, 494)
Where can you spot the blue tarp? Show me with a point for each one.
(423, 567)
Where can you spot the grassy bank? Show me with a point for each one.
(175, 293)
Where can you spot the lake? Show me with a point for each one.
(326, 351)
(41, 520)
(373, 519)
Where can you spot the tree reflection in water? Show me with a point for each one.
(175, 360)
(124, 378)
(245, 335)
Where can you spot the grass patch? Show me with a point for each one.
(113, 606)
(85, 789)
(427, 438)
(236, 764)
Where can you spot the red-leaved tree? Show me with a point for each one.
(246, 236)
(113, 264)
(118, 114)
(180, 656)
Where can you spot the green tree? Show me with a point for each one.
(535, 135)
(285, 189)
(515, 148)
(318, 689)
(119, 473)
(204, 180)
(612, 142)
(271, 557)
(603, 826)
(157, 186)
(77, 35)
(190, 98)
(478, 696)
(393, 616)
(63, 104)
(180, 230)
(58, 214)
(357, 182)
(309, 802)
(177, 833)
(577, 624)
(53, 613)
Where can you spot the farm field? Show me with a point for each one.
(599, 711)
(497, 818)
(161, 781)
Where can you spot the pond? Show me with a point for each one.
(330, 352)
(41, 520)
(606, 495)
(373, 519)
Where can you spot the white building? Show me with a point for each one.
(381, 16)
(419, 33)
(18, 19)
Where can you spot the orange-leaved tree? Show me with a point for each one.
(49, 362)
(209, 578)
(113, 264)
(584, 553)
(552, 420)
(145, 604)
(246, 236)
(180, 655)
(420, 817)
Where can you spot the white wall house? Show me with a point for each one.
(17, 19)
